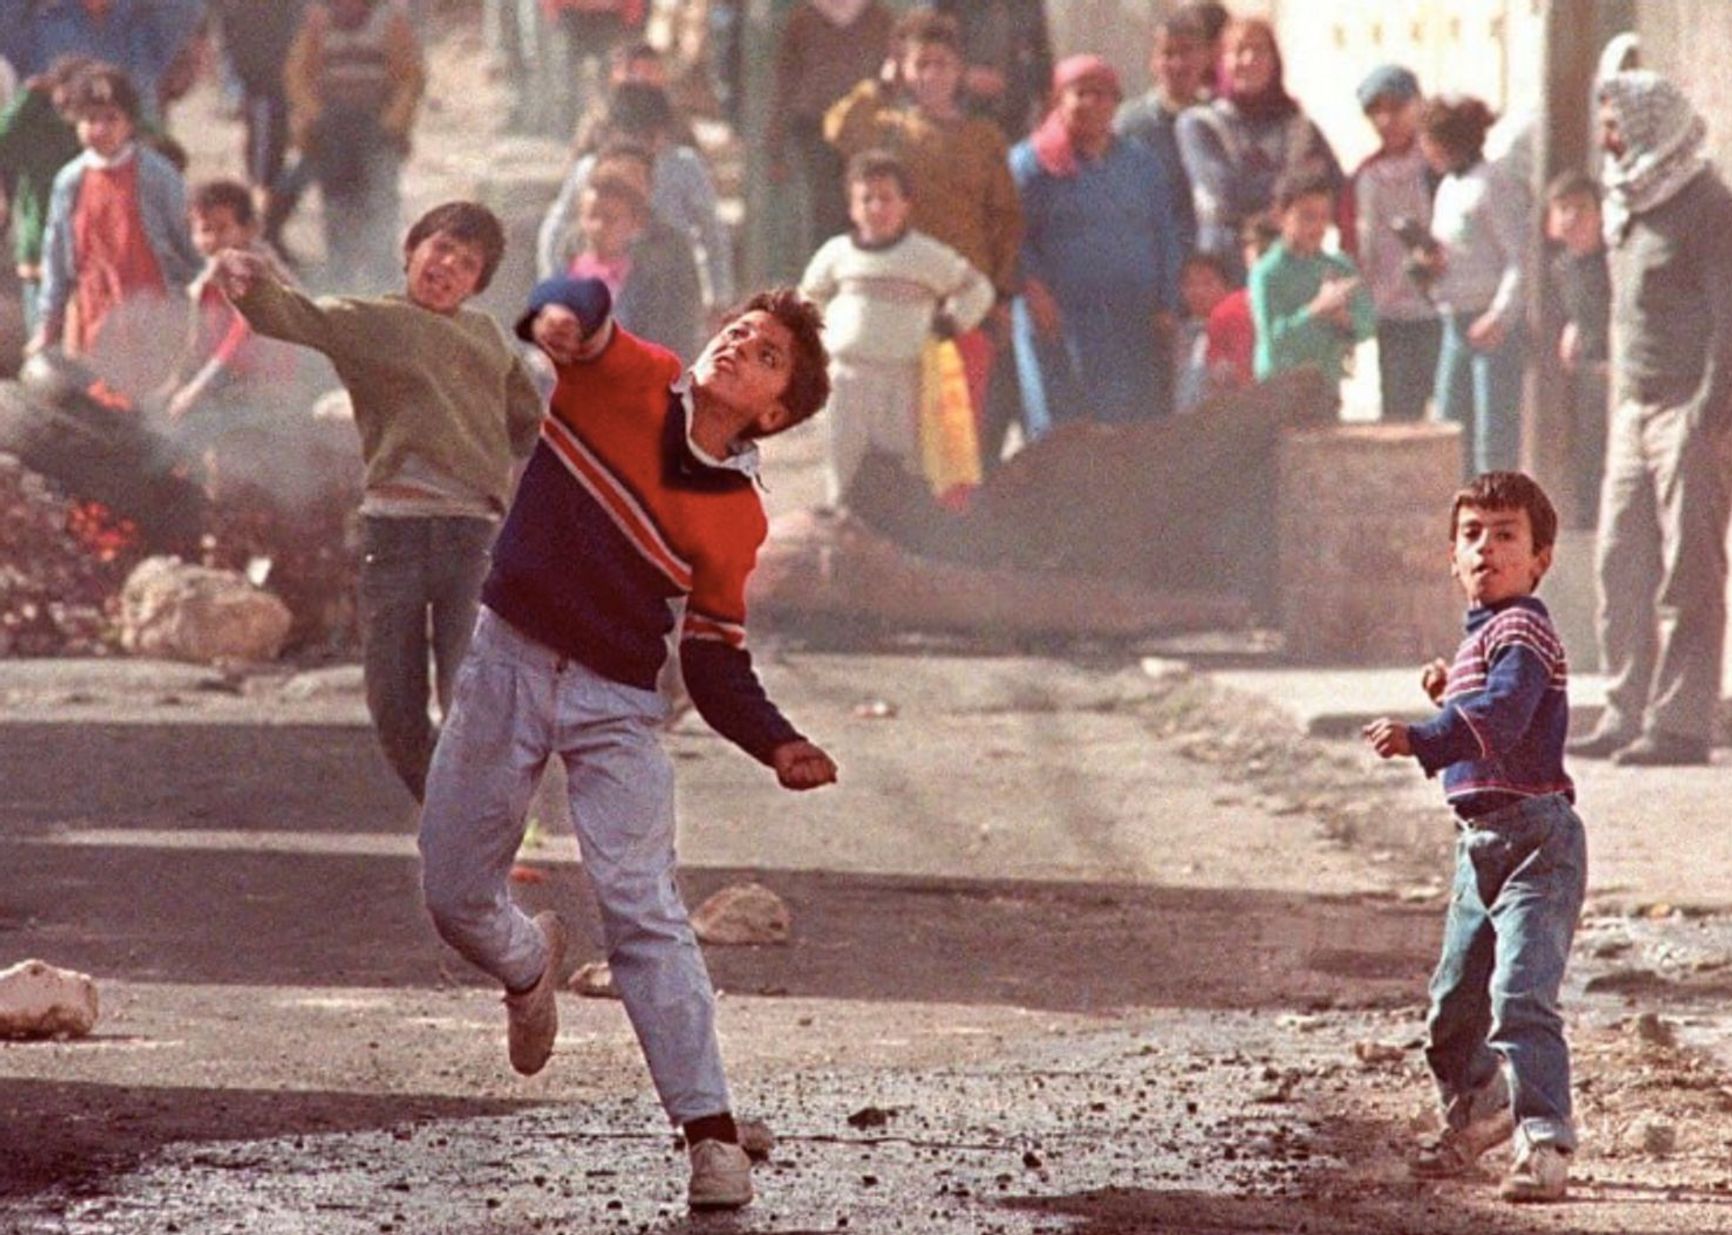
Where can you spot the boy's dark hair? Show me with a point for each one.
(1509, 491)
(1186, 25)
(470, 222)
(1211, 17)
(102, 85)
(880, 164)
(920, 27)
(61, 73)
(229, 195)
(1259, 231)
(808, 386)
(1307, 180)
(1459, 124)
(1216, 262)
(1572, 185)
(639, 110)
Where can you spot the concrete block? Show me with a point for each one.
(1362, 541)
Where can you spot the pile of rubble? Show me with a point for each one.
(64, 562)
(59, 593)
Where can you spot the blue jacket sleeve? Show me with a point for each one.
(1484, 723)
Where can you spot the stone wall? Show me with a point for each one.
(1362, 536)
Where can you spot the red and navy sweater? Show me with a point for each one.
(1506, 711)
(614, 520)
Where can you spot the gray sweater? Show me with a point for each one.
(1672, 302)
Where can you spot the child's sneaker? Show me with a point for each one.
(1456, 1151)
(1541, 1173)
(533, 1015)
(721, 1176)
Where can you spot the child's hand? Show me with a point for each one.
(1570, 347)
(1487, 333)
(1387, 737)
(1333, 298)
(1434, 678)
(802, 765)
(1042, 308)
(559, 333)
(238, 272)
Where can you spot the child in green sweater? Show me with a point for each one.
(445, 409)
(1309, 307)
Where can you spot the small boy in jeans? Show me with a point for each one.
(1495, 1039)
(445, 409)
(641, 495)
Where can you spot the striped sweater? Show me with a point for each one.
(615, 519)
(1500, 734)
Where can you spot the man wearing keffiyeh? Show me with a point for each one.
(1661, 559)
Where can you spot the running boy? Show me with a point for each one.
(1495, 1039)
(445, 408)
(641, 493)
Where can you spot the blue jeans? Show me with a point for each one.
(520, 704)
(417, 575)
(1482, 392)
(1520, 876)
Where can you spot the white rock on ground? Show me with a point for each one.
(194, 613)
(744, 913)
(593, 981)
(38, 1000)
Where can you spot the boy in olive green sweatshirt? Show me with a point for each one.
(445, 409)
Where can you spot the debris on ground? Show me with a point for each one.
(175, 611)
(39, 1000)
(743, 913)
(593, 981)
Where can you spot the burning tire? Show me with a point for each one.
(59, 422)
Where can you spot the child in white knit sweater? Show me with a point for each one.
(885, 290)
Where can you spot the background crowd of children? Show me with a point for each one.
(1143, 255)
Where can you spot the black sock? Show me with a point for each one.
(713, 1128)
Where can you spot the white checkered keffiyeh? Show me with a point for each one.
(1663, 146)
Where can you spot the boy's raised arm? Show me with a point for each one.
(271, 308)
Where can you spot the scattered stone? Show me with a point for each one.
(1608, 949)
(1653, 1135)
(1300, 1022)
(38, 1000)
(1031, 1160)
(875, 709)
(743, 913)
(194, 613)
(1379, 1054)
(870, 1117)
(1420, 894)
(756, 1139)
(593, 981)
(1650, 1028)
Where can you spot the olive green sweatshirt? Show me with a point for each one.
(448, 391)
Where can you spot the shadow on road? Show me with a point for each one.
(76, 1135)
(228, 916)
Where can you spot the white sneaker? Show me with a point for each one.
(1455, 1151)
(1541, 1173)
(533, 1015)
(721, 1176)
